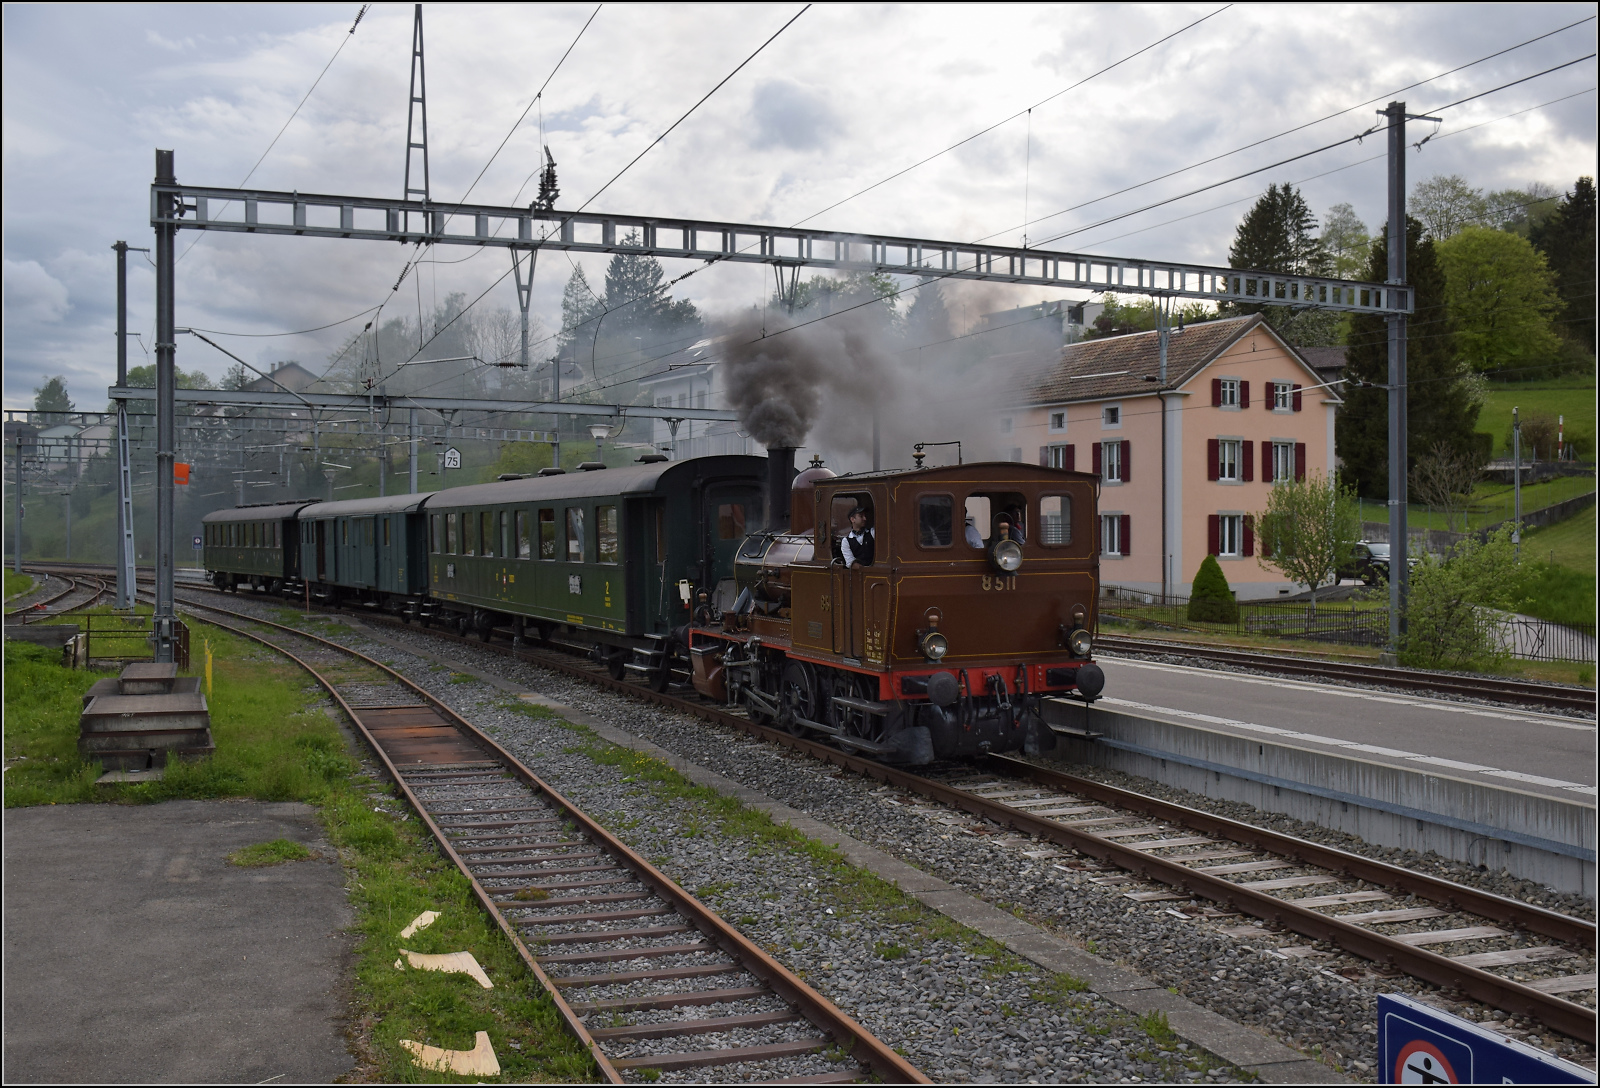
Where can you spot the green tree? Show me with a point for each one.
(52, 399)
(580, 308)
(1520, 211)
(1308, 529)
(1279, 234)
(1121, 318)
(1442, 406)
(1451, 614)
(144, 377)
(1345, 238)
(928, 319)
(1567, 240)
(1501, 298)
(1446, 203)
(1210, 599)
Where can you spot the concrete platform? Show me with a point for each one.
(135, 953)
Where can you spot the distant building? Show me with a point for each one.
(1044, 326)
(289, 376)
(693, 379)
(1329, 363)
(1184, 466)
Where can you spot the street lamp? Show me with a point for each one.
(598, 431)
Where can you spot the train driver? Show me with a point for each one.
(859, 543)
(974, 538)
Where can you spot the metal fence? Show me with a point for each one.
(110, 638)
(1539, 640)
(1335, 621)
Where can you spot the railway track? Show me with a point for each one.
(609, 936)
(1467, 942)
(1550, 696)
(73, 583)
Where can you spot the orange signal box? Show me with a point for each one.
(180, 473)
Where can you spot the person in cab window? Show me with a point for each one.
(1005, 528)
(1014, 515)
(974, 538)
(858, 544)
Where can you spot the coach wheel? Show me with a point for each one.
(616, 664)
(485, 630)
(799, 695)
(660, 677)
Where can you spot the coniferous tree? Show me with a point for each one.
(52, 398)
(1279, 234)
(1441, 405)
(1567, 240)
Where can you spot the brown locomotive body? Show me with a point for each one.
(978, 603)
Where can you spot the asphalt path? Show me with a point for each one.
(1519, 749)
(135, 953)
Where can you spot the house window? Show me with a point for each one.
(575, 534)
(1282, 461)
(1282, 398)
(1230, 393)
(1228, 459)
(1058, 422)
(547, 534)
(1111, 462)
(1055, 520)
(1111, 415)
(524, 537)
(1111, 534)
(1059, 457)
(1230, 534)
(605, 529)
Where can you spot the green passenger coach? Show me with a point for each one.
(253, 546)
(601, 557)
(372, 550)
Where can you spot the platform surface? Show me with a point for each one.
(134, 952)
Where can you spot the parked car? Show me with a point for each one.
(1369, 561)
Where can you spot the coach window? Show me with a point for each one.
(575, 534)
(661, 532)
(547, 534)
(486, 531)
(385, 532)
(469, 534)
(935, 515)
(524, 541)
(605, 532)
(344, 530)
(730, 521)
(1055, 520)
(436, 523)
(277, 534)
(450, 534)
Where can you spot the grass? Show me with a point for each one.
(1572, 396)
(1569, 544)
(17, 584)
(275, 742)
(1559, 594)
(261, 854)
(1491, 503)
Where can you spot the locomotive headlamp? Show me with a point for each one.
(1006, 555)
(1079, 643)
(933, 645)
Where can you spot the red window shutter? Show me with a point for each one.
(1299, 460)
(1072, 458)
(1269, 396)
(1127, 520)
(1216, 392)
(1249, 534)
(1248, 459)
(1266, 462)
(1244, 394)
(1126, 474)
(1213, 533)
(1044, 456)
(1212, 456)
(1296, 397)
(1096, 458)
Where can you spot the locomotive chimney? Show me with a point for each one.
(780, 478)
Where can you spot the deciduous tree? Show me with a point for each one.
(1308, 529)
(1452, 617)
(1500, 297)
(1445, 203)
(1345, 238)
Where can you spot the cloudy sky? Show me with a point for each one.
(844, 98)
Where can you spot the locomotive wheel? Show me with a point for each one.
(853, 723)
(800, 696)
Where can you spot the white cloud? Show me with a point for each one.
(33, 296)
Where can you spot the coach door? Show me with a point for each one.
(732, 510)
(322, 550)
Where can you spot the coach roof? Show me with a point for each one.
(598, 483)
(257, 513)
(390, 504)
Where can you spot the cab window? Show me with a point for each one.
(547, 534)
(984, 509)
(605, 532)
(935, 514)
(575, 534)
(1055, 520)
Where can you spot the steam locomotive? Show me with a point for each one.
(978, 603)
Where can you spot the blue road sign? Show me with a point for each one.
(1421, 1045)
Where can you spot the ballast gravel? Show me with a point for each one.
(1313, 998)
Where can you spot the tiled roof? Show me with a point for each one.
(1117, 366)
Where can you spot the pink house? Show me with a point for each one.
(1184, 465)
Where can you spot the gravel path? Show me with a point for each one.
(1316, 999)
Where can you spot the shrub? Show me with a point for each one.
(1211, 601)
(1451, 612)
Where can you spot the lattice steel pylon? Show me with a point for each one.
(418, 104)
